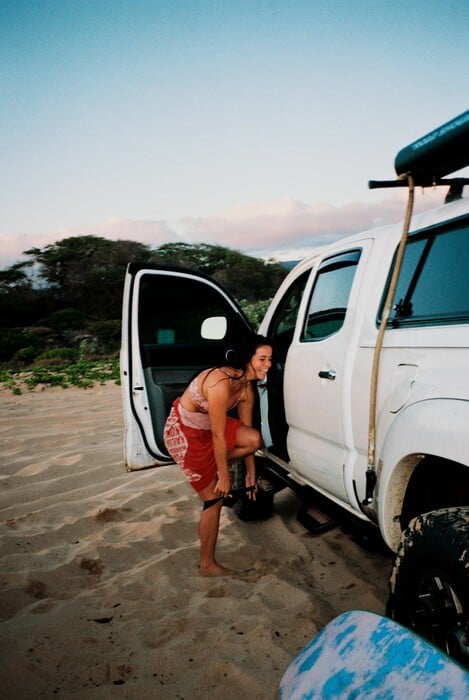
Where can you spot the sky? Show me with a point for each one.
(251, 124)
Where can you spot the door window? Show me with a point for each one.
(185, 321)
(284, 321)
(329, 297)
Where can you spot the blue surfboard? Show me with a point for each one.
(361, 655)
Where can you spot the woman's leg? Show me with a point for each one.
(248, 440)
(208, 533)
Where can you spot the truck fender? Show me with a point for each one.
(436, 427)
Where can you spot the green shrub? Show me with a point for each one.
(255, 311)
(14, 339)
(24, 356)
(107, 335)
(67, 319)
(57, 357)
(88, 348)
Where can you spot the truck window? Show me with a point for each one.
(174, 314)
(329, 297)
(432, 288)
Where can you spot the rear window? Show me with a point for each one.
(433, 285)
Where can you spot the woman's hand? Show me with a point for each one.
(223, 486)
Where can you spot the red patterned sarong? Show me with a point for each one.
(188, 439)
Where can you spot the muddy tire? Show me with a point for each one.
(429, 587)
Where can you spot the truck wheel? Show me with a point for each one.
(245, 508)
(429, 587)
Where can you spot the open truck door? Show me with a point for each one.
(175, 323)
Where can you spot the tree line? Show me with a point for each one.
(66, 298)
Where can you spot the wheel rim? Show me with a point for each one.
(437, 613)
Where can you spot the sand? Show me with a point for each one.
(100, 594)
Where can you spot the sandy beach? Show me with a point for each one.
(100, 595)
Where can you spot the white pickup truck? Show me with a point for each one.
(367, 404)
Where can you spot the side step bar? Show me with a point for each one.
(315, 524)
(309, 514)
(318, 515)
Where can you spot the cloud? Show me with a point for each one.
(12, 245)
(278, 229)
(290, 224)
(151, 232)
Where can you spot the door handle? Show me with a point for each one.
(327, 374)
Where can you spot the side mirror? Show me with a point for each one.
(214, 328)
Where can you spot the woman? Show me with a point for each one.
(203, 440)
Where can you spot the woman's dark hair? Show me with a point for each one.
(239, 357)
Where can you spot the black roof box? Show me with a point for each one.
(439, 153)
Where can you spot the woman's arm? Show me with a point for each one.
(245, 406)
(218, 396)
(245, 409)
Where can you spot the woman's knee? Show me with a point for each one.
(257, 439)
(251, 440)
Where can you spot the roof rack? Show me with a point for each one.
(455, 184)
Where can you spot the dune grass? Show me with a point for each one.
(82, 374)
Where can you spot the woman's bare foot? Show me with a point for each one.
(214, 570)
